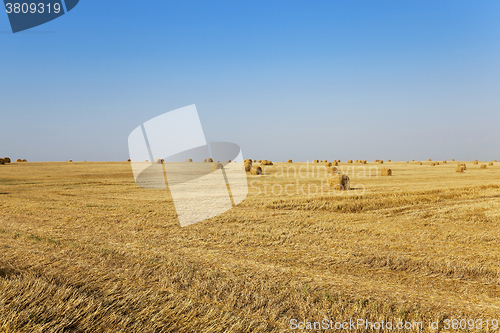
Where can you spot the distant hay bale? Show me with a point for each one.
(476, 162)
(433, 164)
(266, 162)
(413, 160)
(6, 160)
(335, 163)
(325, 161)
(437, 163)
(453, 160)
(364, 162)
(494, 160)
(210, 160)
(483, 166)
(128, 160)
(444, 162)
(316, 161)
(459, 169)
(70, 161)
(381, 162)
(248, 166)
(158, 161)
(491, 164)
(146, 161)
(259, 161)
(463, 166)
(290, 161)
(329, 164)
(255, 161)
(189, 160)
(228, 161)
(339, 182)
(256, 171)
(218, 166)
(19, 160)
(389, 161)
(24, 160)
(386, 172)
(333, 170)
(419, 163)
(2, 161)
(349, 161)
(430, 160)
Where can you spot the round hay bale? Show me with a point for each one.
(255, 161)
(386, 172)
(381, 162)
(329, 164)
(228, 161)
(70, 161)
(419, 163)
(19, 160)
(413, 160)
(6, 160)
(256, 171)
(444, 162)
(316, 161)
(494, 160)
(2, 161)
(290, 161)
(463, 166)
(158, 161)
(146, 161)
(259, 161)
(335, 163)
(325, 161)
(333, 170)
(349, 161)
(433, 164)
(389, 161)
(483, 166)
(24, 160)
(476, 162)
(437, 163)
(491, 164)
(453, 160)
(430, 160)
(248, 166)
(128, 160)
(218, 166)
(210, 160)
(339, 182)
(189, 160)
(459, 169)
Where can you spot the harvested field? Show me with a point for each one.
(84, 249)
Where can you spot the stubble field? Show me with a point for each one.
(83, 249)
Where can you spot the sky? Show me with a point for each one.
(284, 79)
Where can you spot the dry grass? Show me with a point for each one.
(83, 249)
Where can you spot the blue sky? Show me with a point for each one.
(283, 79)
